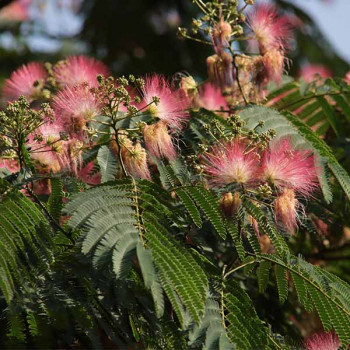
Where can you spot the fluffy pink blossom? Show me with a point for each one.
(323, 341)
(311, 71)
(285, 208)
(16, 11)
(347, 78)
(76, 70)
(172, 108)
(27, 80)
(273, 32)
(135, 159)
(75, 106)
(158, 141)
(211, 98)
(229, 162)
(45, 145)
(10, 164)
(286, 167)
(273, 62)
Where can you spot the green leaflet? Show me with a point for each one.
(316, 289)
(55, 204)
(208, 203)
(107, 163)
(25, 242)
(181, 273)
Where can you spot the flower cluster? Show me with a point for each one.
(287, 170)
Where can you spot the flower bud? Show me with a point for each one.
(230, 203)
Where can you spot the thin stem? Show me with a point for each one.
(222, 295)
(120, 152)
(237, 75)
(273, 341)
(309, 98)
(239, 267)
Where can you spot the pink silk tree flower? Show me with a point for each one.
(75, 106)
(285, 208)
(229, 162)
(87, 174)
(347, 78)
(134, 158)
(172, 106)
(76, 70)
(273, 32)
(45, 145)
(10, 164)
(210, 97)
(158, 141)
(312, 71)
(27, 81)
(16, 11)
(323, 341)
(286, 167)
(273, 62)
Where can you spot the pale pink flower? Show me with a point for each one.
(44, 150)
(229, 162)
(285, 208)
(347, 78)
(286, 167)
(273, 62)
(135, 159)
(273, 32)
(16, 11)
(76, 70)
(220, 70)
(158, 141)
(75, 106)
(323, 341)
(312, 71)
(211, 98)
(221, 35)
(172, 107)
(70, 156)
(27, 80)
(10, 164)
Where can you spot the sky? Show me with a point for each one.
(333, 19)
(332, 16)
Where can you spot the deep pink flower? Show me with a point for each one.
(286, 167)
(311, 71)
(75, 106)
(88, 175)
(323, 341)
(27, 80)
(76, 70)
(229, 162)
(273, 32)
(211, 98)
(172, 107)
(158, 141)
